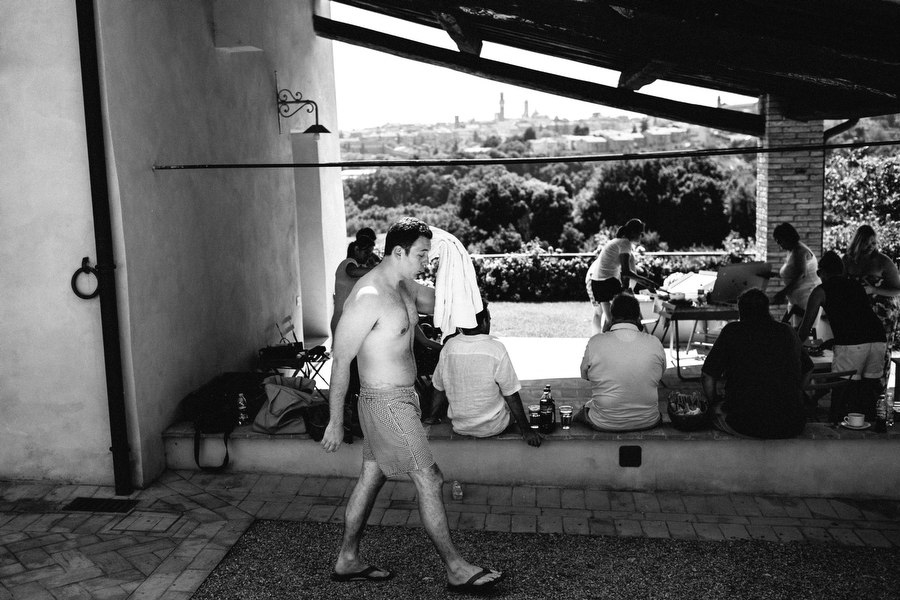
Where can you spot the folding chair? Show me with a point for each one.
(818, 384)
(290, 354)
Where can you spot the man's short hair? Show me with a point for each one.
(786, 233)
(831, 263)
(481, 315)
(753, 303)
(366, 233)
(625, 307)
(404, 233)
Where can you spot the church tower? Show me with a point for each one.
(500, 116)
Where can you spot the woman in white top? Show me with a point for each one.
(612, 271)
(798, 273)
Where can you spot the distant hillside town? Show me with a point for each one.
(537, 135)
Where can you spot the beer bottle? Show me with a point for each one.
(548, 411)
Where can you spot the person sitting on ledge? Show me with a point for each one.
(474, 374)
(624, 366)
(763, 365)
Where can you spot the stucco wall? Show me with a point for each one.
(211, 255)
(206, 260)
(53, 418)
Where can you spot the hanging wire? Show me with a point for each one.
(446, 162)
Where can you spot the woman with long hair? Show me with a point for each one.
(612, 271)
(878, 273)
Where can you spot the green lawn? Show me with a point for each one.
(541, 319)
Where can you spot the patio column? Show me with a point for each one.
(321, 228)
(790, 186)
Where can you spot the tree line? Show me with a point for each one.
(703, 202)
(495, 209)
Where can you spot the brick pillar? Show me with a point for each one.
(790, 186)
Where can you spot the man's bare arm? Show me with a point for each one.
(518, 412)
(708, 382)
(816, 298)
(424, 298)
(359, 316)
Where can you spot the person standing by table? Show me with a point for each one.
(611, 272)
(798, 273)
(859, 340)
(377, 327)
(878, 275)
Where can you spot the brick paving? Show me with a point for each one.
(186, 522)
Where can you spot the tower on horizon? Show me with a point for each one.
(500, 116)
(525, 114)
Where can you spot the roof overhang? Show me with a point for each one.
(828, 59)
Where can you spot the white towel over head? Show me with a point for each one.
(456, 295)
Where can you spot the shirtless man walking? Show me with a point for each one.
(377, 328)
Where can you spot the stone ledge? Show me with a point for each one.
(580, 432)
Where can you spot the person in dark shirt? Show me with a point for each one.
(859, 338)
(763, 365)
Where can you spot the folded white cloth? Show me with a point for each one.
(456, 295)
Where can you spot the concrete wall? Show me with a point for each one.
(53, 417)
(207, 260)
(825, 466)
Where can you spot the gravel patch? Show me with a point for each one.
(279, 559)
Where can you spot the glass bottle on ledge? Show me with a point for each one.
(548, 412)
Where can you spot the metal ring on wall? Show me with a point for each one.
(85, 268)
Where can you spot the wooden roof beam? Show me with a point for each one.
(637, 75)
(459, 31)
(559, 85)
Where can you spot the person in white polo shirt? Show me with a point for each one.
(475, 376)
(624, 366)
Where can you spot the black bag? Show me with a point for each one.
(317, 417)
(280, 352)
(213, 408)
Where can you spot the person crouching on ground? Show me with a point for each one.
(475, 376)
(763, 365)
(377, 327)
(859, 338)
(624, 366)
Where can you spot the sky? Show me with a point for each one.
(375, 88)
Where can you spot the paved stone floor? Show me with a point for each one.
(186, 522)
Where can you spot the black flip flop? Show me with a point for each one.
(469, 587)
(364, 575)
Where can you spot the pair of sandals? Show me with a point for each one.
(469, 587)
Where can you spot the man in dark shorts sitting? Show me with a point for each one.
(763, 365)
(377, 328)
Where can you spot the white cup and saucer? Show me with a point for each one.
(855, 421)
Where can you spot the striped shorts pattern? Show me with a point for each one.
(393, 435)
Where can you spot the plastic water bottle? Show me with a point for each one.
(243, 417)
(457, 490)
(881, 410)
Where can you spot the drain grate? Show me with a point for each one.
(107, 505)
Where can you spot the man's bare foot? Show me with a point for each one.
(464, 574)
(481, 581)
(358, 571)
